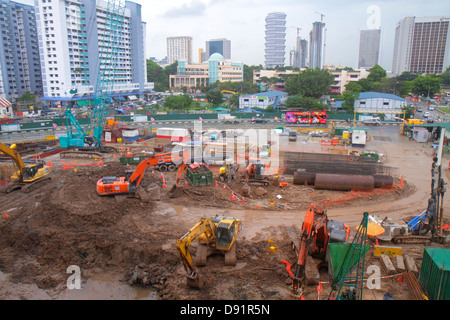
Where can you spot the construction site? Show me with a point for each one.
(144, 221)
(261, 210)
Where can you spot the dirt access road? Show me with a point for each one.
(120, 241)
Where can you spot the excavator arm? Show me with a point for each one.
(307, 229)
(204, 226)
(15, 156)
(114, 185)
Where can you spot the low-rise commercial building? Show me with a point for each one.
(217, 68)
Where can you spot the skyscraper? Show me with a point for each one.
(369, 48)
(20, 69)
(422, 45)
(315, 45)
(275, 39)
(69, 35)
(222, 46)
(179, 48)
(299, 54)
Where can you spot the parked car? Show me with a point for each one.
(426, 114)
(33, 115)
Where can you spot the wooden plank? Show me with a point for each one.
(387, 263)
(400, 263)
(411, 264)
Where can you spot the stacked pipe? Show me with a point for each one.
(332, 164)
(342, 182)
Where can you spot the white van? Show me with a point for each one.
(373, 121)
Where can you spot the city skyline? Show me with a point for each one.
(243, 23)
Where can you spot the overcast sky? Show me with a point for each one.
(243, 22)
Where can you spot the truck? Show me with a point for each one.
(293, 135)
(227, 118)
(370, 120)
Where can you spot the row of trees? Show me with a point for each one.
(307, 87)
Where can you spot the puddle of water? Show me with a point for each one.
(91, 289)
(104, 290)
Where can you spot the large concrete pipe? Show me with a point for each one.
(383, 181)
(302, 178)
(344, 182)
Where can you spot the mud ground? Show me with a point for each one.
(131, 241)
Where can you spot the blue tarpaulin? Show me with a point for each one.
(249, 110)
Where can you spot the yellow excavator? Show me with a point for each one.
(215, 235)
(25, 175)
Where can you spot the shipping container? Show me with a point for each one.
(174, 134)
(199, 175)
(434, 275)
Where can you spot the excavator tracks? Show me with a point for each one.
(27, 187)
(73, 154)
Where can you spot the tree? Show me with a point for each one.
(157, 75)
(445, 76)
(214, 97)
(426, 85)
(349, 100)
(179, 102)
(248, 71)
(376, 73)
(306, 103)
(310, 83)
(27, 97)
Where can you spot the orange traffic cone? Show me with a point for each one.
(164, 186)
(257, 205)
(319, 287)
(243, 201)
(217, 184)
(232, 197)
(224, 187)
(5, 215)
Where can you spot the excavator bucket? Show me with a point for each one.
(194, 281)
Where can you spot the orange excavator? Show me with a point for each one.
(129, 184)
(317, 232)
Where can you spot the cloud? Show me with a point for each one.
(195, 8)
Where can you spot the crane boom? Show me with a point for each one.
(109, 48)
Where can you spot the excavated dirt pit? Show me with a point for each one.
(132, 240)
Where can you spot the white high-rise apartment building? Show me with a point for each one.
(69, 33)
(422, 45)
(179, 49)
(275, 51)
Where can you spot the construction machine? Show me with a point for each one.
(129, 183)
(427, 226)
(109, 50)
(25, 175)
(215, 235)
(256, 173)
(317, 232)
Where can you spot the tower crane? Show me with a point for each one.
(109, 49)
